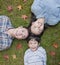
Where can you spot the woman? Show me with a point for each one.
(46, 12)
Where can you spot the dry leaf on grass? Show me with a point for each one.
(14, 56)
(9, 8)
(18, 46)
(52, 53)
(19, 7)
(55, 45)
(6, 57)
(24, 17)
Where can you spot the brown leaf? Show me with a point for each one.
(19, 7)
(52, 53)
(6, 57)
(18, 46)
(24, 17)
(14, 56)
(55, 45)
(9, 8)
(24, 0)
(59, 63)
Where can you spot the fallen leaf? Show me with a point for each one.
(6, 57)
(59, 63)
(9, 8)
(19, 7)
(52, 53)
(55, 45)
(18, 46)
(24, 0)
(14, 56)
(24, 17)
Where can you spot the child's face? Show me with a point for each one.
(37, 28)
(21, 33)
(33, 44)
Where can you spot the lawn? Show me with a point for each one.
(50, 39)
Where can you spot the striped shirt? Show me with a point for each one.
(5, 39)
(48, 9)
(37, 57)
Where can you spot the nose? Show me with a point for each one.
(18, 34)
(39, 27)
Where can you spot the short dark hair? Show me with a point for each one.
(33, 37)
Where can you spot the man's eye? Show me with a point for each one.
(34, 42)
(23, 36)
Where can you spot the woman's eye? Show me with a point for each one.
(38, 22)
(34, 26)
(22, 30)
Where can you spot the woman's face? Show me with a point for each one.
(37, 28)
(33, 44)
(21, 33)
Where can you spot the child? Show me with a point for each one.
(7, 33)
(35, 55)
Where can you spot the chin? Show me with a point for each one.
(33, 49)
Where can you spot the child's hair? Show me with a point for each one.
(33, 37)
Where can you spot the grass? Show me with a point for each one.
(50, 36)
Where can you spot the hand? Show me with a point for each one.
(38, 26)
(41, 20)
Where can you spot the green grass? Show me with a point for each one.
(50, 36)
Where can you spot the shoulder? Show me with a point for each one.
(27, 51)
(4, 16)
(42, 49)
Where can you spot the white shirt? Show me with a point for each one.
(37, 57)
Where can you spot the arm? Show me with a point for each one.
(38, 9)
(45, 58)
(25, 60)
(9, 25)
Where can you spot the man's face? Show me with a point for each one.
(33, 44)
(21, 33)
(37, 28)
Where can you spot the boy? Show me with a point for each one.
(35, 55)
(7, 33)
